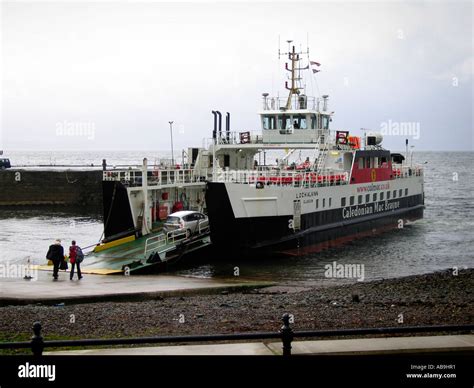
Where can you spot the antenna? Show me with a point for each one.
(295, 58)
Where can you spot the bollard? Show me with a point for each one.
(37, 344)
(286, 335)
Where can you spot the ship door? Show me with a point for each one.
(226, 160)
(297, 214)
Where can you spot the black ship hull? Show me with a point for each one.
(318, 230)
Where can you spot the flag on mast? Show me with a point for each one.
(315, 63)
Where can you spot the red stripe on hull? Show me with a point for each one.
(340, 241)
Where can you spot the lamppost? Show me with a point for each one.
(171, 133)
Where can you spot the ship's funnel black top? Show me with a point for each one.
(227, 125)
(214, 132)
(220, 122)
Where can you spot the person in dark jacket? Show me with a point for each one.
(56, 255)
(73, 261)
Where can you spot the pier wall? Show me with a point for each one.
(51, 187)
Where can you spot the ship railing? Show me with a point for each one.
(155, 176)
(297, 103)
(284, 178)
(401, 172)
(161, 241)
(234, 137)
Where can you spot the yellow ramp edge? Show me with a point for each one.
(114, 243)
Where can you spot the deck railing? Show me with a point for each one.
(285, 178)
(400, 172)
(156, 177)
(161, 241)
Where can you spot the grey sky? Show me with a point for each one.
(121, 71)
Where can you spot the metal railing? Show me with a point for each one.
(400, 172)
(155, 243)
(286, 335)
(297, 103)
(155, 177)
(158, 242)
(284, 178)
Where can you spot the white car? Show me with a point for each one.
(190, 221)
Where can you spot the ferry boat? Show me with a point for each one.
(352, 187)
(346, 187)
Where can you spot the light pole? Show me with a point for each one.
(171, 133)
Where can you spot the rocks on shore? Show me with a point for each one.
(430, 299)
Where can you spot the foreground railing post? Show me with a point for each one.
(286, 335)
(37, 344)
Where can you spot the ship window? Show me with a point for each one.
(324, 202)
(269, 122)
(383, 162)
(325, 121)
(381, 196)
(351, 200)
(367, 198)
(406, 192)
(299, 122)
(400, 192)
(330, 200)
(388, 194)
(282, 122)
(374, 197)
(343, 201)
(394, 193)
(359, 199)
(313, 122)
(317, 203)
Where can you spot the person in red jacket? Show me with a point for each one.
(72, 260)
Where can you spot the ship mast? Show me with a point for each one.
(294, 57)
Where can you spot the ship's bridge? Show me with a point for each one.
(297, 119)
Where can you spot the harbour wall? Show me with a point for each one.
(25, 187)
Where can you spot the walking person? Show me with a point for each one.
(75, 258)
(56, 255)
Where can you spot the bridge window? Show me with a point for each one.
(325, 120)
(317, 203)
(388, 194)
(299, 122)
(394, 193)
(367, 198)
(400, 192)
(406, 192)
(324, 202)
(269, 122)
(381, 196)
(351, 200)
(313, 122)
(359, 200)
(343, 201)
(374, 197)
(330, 200)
